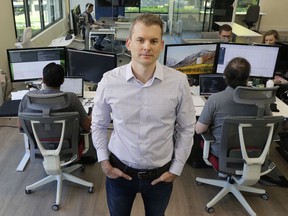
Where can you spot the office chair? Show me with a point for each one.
(252, 15)
(56, 135)
(25, 38)
(121, 33)
(243, 149)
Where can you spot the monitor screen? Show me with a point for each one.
(73, 84)
(282, 61)
(27, 64)
(211, 83)
(75, 14)
(91, 65)
(261, 57)
(191, 59)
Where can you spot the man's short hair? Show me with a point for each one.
(237, 72)
(88, 6)
(225, 27)
(53, 75)
(148, 19)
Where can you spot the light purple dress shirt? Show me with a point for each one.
(145, 118)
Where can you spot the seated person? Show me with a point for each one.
(220, 105)
(271, 37)
(88, 21)
(53, 77)
(225, 33)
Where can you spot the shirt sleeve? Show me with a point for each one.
(184, 129)
(100, 121)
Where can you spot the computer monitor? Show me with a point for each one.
(211, 83)
(73, 84)
(192, 59)
(27, 64)
(282, 61)
(91, 65)
(262, 57)
(75, 14)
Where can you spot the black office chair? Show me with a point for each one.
(243, 149)
(252, 16)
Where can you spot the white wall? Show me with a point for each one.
(276, 15)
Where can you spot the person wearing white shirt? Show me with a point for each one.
(153, 119)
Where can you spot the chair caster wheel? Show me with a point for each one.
(199, 183)
(55, 207)
(28, 191)
(82, 168)
(210, 210)
(91, 189)
(265, 196)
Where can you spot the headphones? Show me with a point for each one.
(88, 6)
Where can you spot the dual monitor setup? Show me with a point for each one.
(26, 65)
(206, 59)
(202, 62)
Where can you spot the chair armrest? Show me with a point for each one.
(208, 139)
(86, 141)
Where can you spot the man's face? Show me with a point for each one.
(145, 43)
(225, 35)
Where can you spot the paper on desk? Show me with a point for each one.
(18, 95)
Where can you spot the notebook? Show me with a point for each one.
(73, 84)
(211, 83)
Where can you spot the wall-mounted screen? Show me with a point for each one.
(91, 65)
(27, 64)
(262, 58)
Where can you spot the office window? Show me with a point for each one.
(39, 14)
(160, 6)
(243, 5)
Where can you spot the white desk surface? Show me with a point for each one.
(240, 30)
(102, 31)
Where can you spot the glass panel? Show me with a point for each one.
(160, 6)
(243, 5)
(187, 16)
(51, 11)
(19, 14)
(34, 14)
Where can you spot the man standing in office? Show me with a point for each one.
(88, 21)
(153, 118)
(221, 105)
(225, 32)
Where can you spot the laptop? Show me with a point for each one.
(73, 84)
(210, 84)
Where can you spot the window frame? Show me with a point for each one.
(41, 15)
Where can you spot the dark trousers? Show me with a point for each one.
(121, 194)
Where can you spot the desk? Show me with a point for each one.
(94, 32)
(61, 41)
(242, 34)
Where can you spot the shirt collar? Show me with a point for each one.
(158, 74)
